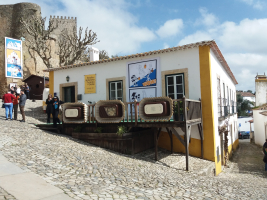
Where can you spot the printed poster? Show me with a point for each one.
(13, 58)
(89, 84)
(142, 73)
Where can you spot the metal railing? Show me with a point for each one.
(225, 109)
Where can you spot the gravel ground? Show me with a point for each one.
(85, 171)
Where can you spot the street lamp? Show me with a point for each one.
(67, 78)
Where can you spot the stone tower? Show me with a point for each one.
(10, 16)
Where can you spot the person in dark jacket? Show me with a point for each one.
(264, 149)
(49, 107)
(56, 104)
(22, 102)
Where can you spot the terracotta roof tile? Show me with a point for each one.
(210, 43)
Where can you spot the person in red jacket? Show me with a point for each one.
(8, 98)
(15, 106)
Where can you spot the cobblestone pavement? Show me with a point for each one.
(4, 195)
(85, 171)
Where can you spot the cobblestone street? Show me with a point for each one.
(84, 171)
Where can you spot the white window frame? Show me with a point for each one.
(116, 89)
(174, 84)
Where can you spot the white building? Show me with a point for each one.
(244, 124)
(260, 124)
(195, 71)
(260, 113)
(247, 96)
(261, 89)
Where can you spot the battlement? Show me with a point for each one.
(62, 18)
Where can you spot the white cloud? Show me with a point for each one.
(116, 28)
(245, 67)
(170, 28)
(207, 19)
(257, 4)
(247, 36)
(196, 37)
(165, 46)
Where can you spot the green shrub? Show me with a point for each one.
(98, 130)
(121, 129)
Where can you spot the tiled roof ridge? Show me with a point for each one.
(210, 43)
(246, 94)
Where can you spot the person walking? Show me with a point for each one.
(27, 91)
(22, 101)
(7, 98)
(56, 104)
(49, 107)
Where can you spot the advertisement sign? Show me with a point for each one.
(13, 58)
(89, 84)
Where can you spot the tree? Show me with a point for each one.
(70, 45)
(243, 105)
(40, 39)
(250, 91)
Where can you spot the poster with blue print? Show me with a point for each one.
(13, 58)
(142, 73)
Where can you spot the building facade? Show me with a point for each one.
(196, 71)
(261, 89)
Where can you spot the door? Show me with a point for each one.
(69, 94)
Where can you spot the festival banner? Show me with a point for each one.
(13, 58)
(89, 84)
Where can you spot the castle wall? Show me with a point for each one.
(10, 16)
(6, 12)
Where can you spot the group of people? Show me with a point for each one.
(52, 107)
(16, 89)
(11, 101)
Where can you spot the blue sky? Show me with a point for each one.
(125, 27)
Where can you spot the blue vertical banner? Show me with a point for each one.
(13, 58)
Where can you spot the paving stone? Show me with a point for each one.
(85, 171)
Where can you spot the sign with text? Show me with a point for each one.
(89, 84)
(13, 58)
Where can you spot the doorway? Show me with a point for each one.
(69, 94)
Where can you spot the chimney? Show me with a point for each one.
(94, 54)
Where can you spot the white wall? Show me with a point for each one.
(217, 70)
(245, 125)
(253, 99)
(168, 61)
(261, 93)
(259, 127)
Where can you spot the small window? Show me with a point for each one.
(175, 86)
(115, 90)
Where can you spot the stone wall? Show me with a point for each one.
(11, 27)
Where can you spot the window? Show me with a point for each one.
(224, 100)
(115, 90)
(175, 86)
(219, 96)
